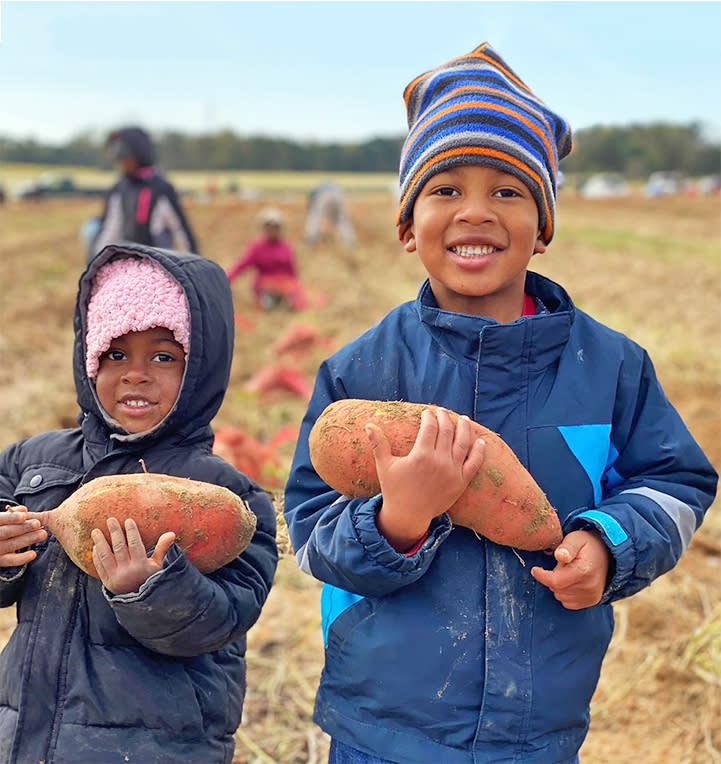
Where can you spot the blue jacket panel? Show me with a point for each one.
(156, 676)
(455, 653)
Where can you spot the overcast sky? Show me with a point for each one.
(337, 70)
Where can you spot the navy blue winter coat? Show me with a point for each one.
(158, 676)
(456, 654)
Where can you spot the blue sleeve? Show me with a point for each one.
(657, 486)
(334, 537)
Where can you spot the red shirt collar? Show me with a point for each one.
(529, 305)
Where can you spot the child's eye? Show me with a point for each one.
(445, 191)
(114, 355)
(164, 357)
(506, 193)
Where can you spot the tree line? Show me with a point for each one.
(635, 151)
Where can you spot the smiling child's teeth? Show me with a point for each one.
(136, 404)
(473, 251)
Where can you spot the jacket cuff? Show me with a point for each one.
(170, 564)
(364, 522)
(619, 544)
(8, 575)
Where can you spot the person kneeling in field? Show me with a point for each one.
(147, 662)
(441, 645)
(271, 256)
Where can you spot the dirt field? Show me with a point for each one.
(649, 268)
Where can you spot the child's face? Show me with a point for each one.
(475, 230)
(127, 165)
(139, 378)
(271, 231)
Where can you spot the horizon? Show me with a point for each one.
(335, 71)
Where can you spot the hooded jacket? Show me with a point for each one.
(142, 207)
(455, 654)
(156, 676)
(132, 143)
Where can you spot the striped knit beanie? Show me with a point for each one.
(132, 295)
(475, 110)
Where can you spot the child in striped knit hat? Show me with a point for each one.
(441, 645)
(145, 663)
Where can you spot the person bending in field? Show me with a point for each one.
(440, 645)
(147, 663)
(272, 257)
(143, 206)
(327, 215)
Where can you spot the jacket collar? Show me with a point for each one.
(540, 338)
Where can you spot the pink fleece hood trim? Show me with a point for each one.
(132, 295)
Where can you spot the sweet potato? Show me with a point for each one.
(502, 502)
(279, 376)
(212, 524)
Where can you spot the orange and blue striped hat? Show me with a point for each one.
(475, 110)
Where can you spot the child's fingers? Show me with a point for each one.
(117, 540)
(542, 575)
(8, 508)
(161, 548)
(17, 559)
(10, 512)
(462, 438)
(379, 443)
(136, 548)
(446, 434)
(24, 537)
(17, 532)
(16, 517)
(474, 459)
(427, 432)
(17, 525)
(102, 553)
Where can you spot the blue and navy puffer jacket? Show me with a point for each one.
(157, 676)
(455, 654)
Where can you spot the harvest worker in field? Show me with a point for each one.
(272, 257)
(441, 645)
(143, 205)
(327, 214)
(146, 663)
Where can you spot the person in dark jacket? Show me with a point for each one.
(146, 664)
(441, 645)
(143, 206)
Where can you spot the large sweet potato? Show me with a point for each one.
(502, 502)
(211, 523)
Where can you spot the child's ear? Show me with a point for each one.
(540, 246)
(407, 237)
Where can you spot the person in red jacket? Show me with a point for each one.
(276, 282)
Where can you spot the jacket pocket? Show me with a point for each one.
(46, 486)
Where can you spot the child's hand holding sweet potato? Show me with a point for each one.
(18, 533)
